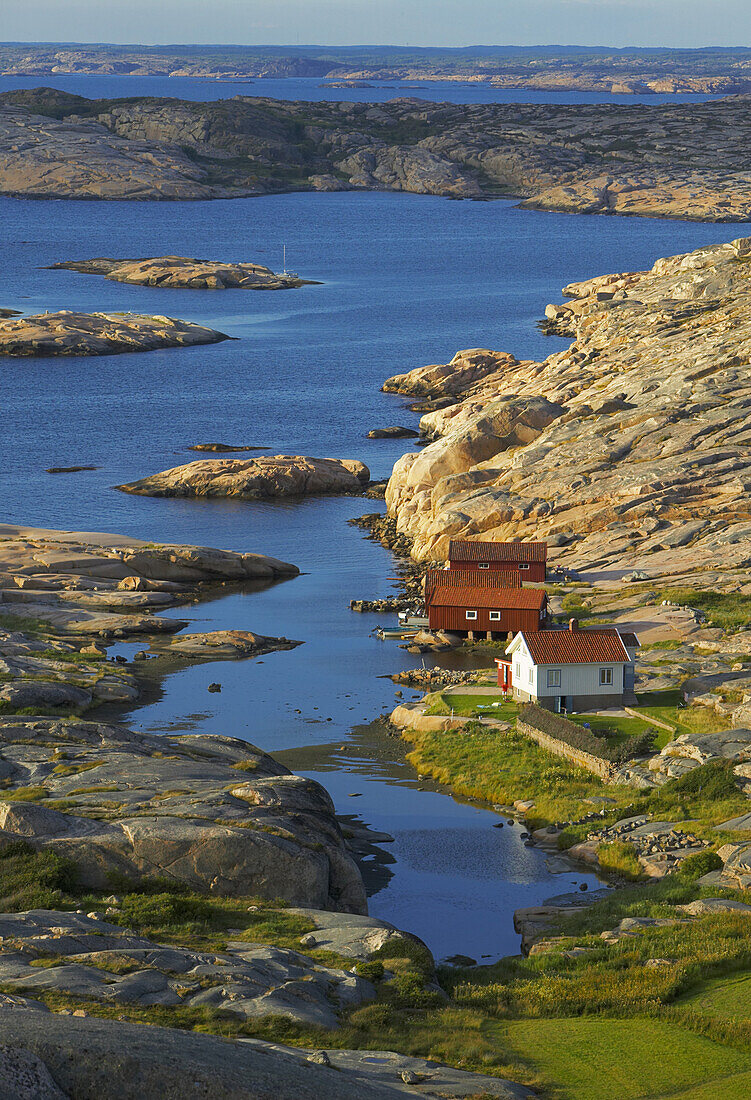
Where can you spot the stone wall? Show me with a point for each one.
(601, 768)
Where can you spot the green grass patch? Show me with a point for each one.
(729, 610)
(499, 767)
(472, 706)
(637, 1059)
(619, 858)
(727, 996)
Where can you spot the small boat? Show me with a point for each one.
(407, 618)
(284, 273)
(394, 632)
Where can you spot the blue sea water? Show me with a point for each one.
(313, 88)
(405, 280)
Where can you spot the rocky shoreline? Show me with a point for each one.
(647, 404)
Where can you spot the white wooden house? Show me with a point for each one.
(573, 669)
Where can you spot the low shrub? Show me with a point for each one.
(701, 863)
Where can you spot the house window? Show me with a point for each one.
(531, 675)
(483, 565)
(524, 565)
(554, 677)
(606, 676)
(470, 614)
(518, 670)
(495, 616)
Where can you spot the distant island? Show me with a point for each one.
(628, 71)
(661, 160)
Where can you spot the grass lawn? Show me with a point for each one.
(728, 996)
(634, 1059)
(623, 726)
(472, 706)
(666, 707)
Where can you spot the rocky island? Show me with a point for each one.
(663, 160)
(255, 478)
(69, 333)
(184, 273)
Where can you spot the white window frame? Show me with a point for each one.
(471, 615)
(518, 670)
(483, 565)
(524, 565)
(554, 677)
(495, 616)
(606, 677)
(531, 674)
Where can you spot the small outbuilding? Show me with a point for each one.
(529, 559)
(477, 610)
(571, 669)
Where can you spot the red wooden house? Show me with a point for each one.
(528, 558)
(480, 609)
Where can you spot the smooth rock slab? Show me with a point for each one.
(69, 333)
(249, 479)
(120, 1061)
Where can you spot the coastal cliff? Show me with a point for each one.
(661, 161)
(629, 448)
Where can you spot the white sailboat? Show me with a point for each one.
(285, 273)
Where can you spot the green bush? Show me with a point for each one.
(713, 781)
(144, 911)
(701, 863)
(33, 880)
(373, 971)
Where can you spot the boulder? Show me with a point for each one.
(236, 823)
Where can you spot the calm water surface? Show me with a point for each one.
(310, 88)
(406, 280)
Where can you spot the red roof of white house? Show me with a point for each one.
(498, 599)
(575, 647)
(465, 550)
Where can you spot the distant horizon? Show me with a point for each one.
(620, 24)
(464, 47)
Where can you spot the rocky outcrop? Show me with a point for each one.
(662, 160)
(125, 1061)
(647, 407)
(96, 960)
(250, 479)
(393, 432)
(689, 751)
(79, 158)
(71, 588)
(184, 273)
(218, 644)
(211, 813)
(69, 333)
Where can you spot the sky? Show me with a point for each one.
(393, 22)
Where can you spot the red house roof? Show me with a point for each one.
(575, 647)
(467, 578)
(498, 599)
(464, 550)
